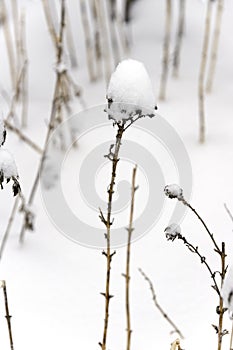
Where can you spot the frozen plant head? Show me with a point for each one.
(174, 191)
(172, 231)
(130, 92)
(8, 170)
(2, 131)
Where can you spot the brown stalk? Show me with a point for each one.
(127, 273)
(215, 44)
(201, 79)
(8, 317)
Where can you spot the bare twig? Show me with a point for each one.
(23, 137)
(9, 225)
(215, 44)
(8, 317)
(166, 48)
(202, 71)
(231, 338)
(228, 212)
(127, 273)
(157, 305)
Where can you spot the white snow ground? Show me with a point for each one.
(53, 284)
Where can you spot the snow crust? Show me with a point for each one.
(7, 164)
(130, 90)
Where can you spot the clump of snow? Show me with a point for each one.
(130, 91)
(7, 164)
(172, 231)
(2, 131)
(227, 292)
(173, 191)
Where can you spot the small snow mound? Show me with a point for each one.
(2, 131)
(173, 191)
(7, 164)
(172, 231)
(130, 90)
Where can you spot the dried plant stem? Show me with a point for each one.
(215, 44)
(105, 46)
(231, 338)
(221, 309)
(9, 44)
(55, 111)
(179, 38)
(166, 49)
(97, 44)
(23, 137)
(202, 71)
(114, 157)
(88, 40)
(228, 212)
(70, 42)
(157, 305)
(24, 80)
(8, 317)
(127, 273)
(49, 20)
(9, 225)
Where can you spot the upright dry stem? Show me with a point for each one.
(231, 338)
(114, 157)
(157, 305)
(8, 317)
(127, 273)
(221, 309)
(166, 51)
(202, 72)
(179, 38)
(215, 44)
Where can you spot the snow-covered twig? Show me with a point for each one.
(158, 306)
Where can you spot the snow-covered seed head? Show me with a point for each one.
(8, 170)
(172, 231)
(2, 131)
(227, 292)
(130, 91)
(173, 191)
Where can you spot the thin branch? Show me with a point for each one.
(127, 273)
(157, 305)
(231, 338)
(23, 137)
(179, 38)
(8, 317)
(228, 211)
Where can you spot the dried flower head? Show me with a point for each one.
(173, 191)
(172, 232)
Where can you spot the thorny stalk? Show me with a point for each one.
(157, 305)
(202, 71)
(221, 251)
(8, 317)
(113, 156)
(127, 273)
(166, 48)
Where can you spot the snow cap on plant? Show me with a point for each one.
(130, 91)
(173, 191)
(172, 231)
(227, 292)
(2, 131)
(8, 170)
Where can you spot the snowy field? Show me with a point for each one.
(53, 283)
